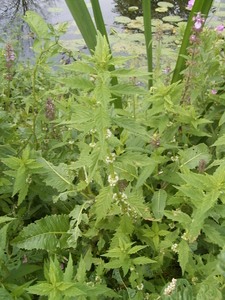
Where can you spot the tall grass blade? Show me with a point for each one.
(146, 5)
(199, 6)
(84, 22)
(99, 21)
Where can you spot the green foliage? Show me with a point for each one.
(99, 202)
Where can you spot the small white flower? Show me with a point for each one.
(108, 134)
(113, 181)
(110, 159)
(185, 236)
(92, 145)
(174, 158)
(140, 286)
(174, 248)
(71, 142)
(93, 131)
(171, 287)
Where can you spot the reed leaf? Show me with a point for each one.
(84, 22)
(146, 5)
(199, 6)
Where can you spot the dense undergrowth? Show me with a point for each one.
(98, 202)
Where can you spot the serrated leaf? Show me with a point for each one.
(129, 73)
(12, 162)
(76, 83)
(159, 203)
(142, 260)
(103, 95)
(103, 203)
(44, 233)
(183, 254)
(178, 216)
(144, 175)
(80, 67)
(201, 213)
(36, 24)
(127, 89)
(58, 177)
(131, 125)
(81, 271)
(135, 249)
(208, 292)
(191, 157)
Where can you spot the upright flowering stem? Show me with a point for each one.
(34, 93)
(9, 56)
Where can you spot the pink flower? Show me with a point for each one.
(190, 3)
(214, 92)
(198, 22)
(220, 28)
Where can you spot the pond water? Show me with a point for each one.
(56, 11)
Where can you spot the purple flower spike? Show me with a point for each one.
(190, 3)
(220, 28)
(214, 92)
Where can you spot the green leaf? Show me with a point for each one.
(45, 233)
(220, 141)
(191, 157)
(128, 73)
(135, 249)
(76, 83)
(201, 213)
(159, 203)
(36, 24)
(5, 295)
(58, 177)
(144, 175)
(131, 125)
(103, 203)
(127, 89)
(183, 255)
(142, 260)
(80, 67)
(208, 291)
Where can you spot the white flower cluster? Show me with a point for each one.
(125, 207)
(174, 158)
(174, 248)
(110, 159)
(113, 181)
(92, 145)
(93, 131)
(108, 133)
(28, 179)
(185, 236)
(140, 286)
(170, 287)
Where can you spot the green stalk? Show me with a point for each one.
(100, 24)
(199, 6)
(84, 22)
(87, 28)
(146, 5)
(99, 21)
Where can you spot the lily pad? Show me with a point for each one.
(161, 9)
(172, 19)
(134, 24)
(156, 22)
(122, 20)
(140, 19)
(167, 27)
(55, 9)
(165, 4)
(133, 8)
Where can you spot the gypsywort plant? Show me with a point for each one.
(99, 202)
